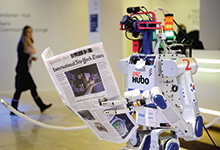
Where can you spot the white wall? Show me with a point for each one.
(209, 24)
(111, 36)
(65, 28)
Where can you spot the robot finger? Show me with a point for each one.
(113, 103)
(116, 111)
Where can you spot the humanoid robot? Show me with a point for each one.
(160, 86)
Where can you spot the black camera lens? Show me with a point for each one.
(124, 19)
(133, 10)
(130, 10)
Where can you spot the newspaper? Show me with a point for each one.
(82, 77)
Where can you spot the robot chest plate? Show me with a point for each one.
(141, 79)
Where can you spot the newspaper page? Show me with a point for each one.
(82, 77)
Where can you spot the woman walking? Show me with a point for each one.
(23, 79)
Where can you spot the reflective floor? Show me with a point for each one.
(18, 134)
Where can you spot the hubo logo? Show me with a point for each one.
(137, 78)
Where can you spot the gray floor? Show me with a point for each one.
(18, 134)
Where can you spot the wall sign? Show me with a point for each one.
(94, 21)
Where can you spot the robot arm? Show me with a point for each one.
(182, 69)
(171, 113)
(134, 101)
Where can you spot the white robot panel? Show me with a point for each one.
(150, 117)
(150, 75)
(142, 79)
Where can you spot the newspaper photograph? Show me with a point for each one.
(82, 77)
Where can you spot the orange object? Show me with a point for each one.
(168, 22)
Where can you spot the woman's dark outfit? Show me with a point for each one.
(24, 81)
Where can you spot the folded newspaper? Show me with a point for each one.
(82, 77)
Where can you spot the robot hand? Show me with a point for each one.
(131, 102)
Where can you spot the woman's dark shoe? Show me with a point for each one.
(11, 113)
(42, 109)
(41, 105)
(14, 104)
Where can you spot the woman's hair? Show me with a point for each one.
(24, 31)
(24, 40)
